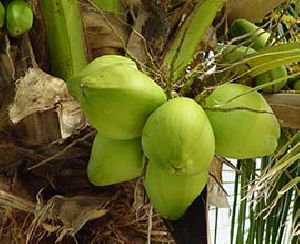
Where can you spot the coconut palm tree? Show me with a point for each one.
(186, 47)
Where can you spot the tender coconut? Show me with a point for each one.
(171, 194)
(114, 161)
(244, 124)
(179, 138)
(116, 98)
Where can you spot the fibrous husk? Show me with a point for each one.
(105, 33)
(216, 195)
(38, 91)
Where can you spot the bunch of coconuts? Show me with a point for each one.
(259, 39)
(135, 120)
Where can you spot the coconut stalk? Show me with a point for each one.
(180, 53)
(64, 37)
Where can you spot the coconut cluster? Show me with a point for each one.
(179, 138)
(260, 39)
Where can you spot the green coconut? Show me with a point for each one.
(170, 194)
(297, 85)
(179, 138)
(244, 127)
(260, 38)
(19, 17)
(278, 74)
(114, 161)
(117, 99)
(107, 60)
(242, 27)
(233, 54)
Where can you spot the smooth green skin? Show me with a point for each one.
(179, 138)
(114, 161)
(233, 54)
(170, 194)
(117, 99)
(297, 85)
(2, 14)
(19, 17)
(242, 27)
(270, 76)
(107, 60)
(242, 134)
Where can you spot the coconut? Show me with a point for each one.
(107, 60)
(116, 99)
(278, 74)
(172, 194)
(297, 85)
(233, 54)
(244, 124)
(242, 27)
(179, 138)
(114, 161)
(19, 17)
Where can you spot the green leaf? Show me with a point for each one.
(183, 47)
(269, 58)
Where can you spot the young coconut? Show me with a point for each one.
(297, 85)
(244, 124)
(232, 54)
(117, 98)
(260, 38)
(107, 60)
(242, 27)
(19, 17)
(179, 138)
(170, 194)
(114, 161)
(278, 74)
